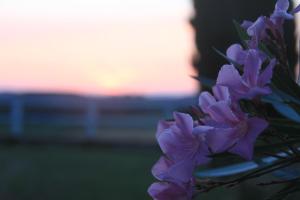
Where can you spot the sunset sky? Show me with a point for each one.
(99, 47)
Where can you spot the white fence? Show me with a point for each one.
(88, 112)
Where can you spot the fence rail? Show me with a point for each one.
(91, 113)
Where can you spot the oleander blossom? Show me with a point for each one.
(228, 128)
(237, 54)
(184, 149)
(257, 29)
(224, 127)
(254, 80)
(281, 13)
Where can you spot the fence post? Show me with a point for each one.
(91, 118)
(167, 111)
(16, 116)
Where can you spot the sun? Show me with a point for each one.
(110, 82)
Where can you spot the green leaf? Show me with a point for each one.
(238, 66)
(285, 192)
(284, 82)
(287, 111)
(205, 81)
(265, 49)
(285, 96)
(241, 32)
(248, 107)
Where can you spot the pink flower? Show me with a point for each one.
(178, 141)
(257, 30)
(253, 82)
(227, 127)
(184, 149)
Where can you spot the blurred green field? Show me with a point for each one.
(63, 173)
(69, 133)
(37, 172)
(77, 173)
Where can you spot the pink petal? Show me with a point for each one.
(221, 112)
(236, 53)
(252, 67)
(246, 24)
(169, 191)
(184, 122)
(163, 125)
(282, 5)
(220, 140)
(295, 10)
(206, 100)
(177, 172)
(244, 147)
(221, 93)
(255, 127)
(266, 75)
(172, 191)
(257, 28)
(230, 77)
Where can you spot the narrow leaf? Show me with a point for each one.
(242, 33)
(238, 66)
(205, 81)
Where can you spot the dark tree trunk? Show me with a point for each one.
(213, 25)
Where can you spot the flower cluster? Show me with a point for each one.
(260, 29)
(187, 143)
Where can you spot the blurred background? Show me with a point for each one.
(84, 83)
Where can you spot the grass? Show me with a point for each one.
(138, 135)
(85, 173)
(62, 173)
